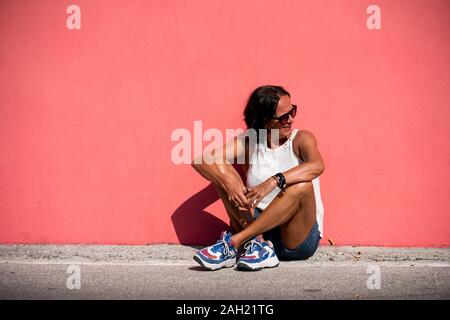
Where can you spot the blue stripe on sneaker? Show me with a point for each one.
(243, 259)
(216, 261)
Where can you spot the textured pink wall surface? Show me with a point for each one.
(86, 116)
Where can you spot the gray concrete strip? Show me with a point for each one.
(172, 253)
(283, 264)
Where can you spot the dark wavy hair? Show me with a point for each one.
(261, 105)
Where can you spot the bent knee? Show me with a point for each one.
(300, 188)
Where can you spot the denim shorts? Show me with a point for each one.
(303, 251)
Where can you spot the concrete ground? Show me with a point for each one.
(169, 272)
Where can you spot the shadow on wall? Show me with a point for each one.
(193, 224)
(196, 226)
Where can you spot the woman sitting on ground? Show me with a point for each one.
(281, 200)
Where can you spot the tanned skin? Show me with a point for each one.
(293, 210)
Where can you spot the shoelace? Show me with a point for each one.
(226, 248)
(252, 245)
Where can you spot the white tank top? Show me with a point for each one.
(265, 162)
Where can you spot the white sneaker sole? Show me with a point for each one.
(215, 266)
(269, 263)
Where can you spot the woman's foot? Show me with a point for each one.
(220, 255)
(258, 255)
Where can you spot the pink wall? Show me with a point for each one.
(87, 115)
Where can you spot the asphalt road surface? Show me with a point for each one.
(111, 273)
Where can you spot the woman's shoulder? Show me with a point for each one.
(301, 139)
(303, 135)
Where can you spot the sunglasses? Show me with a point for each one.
(284, 118)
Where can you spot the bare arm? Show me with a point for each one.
(313, 165)
(216, 167)
(306, 147)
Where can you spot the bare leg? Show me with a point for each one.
(239, 219)
(294, 211)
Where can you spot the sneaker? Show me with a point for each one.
(220, 255)
(259, 255)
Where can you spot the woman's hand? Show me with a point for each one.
(236, 191)
(257, 193)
